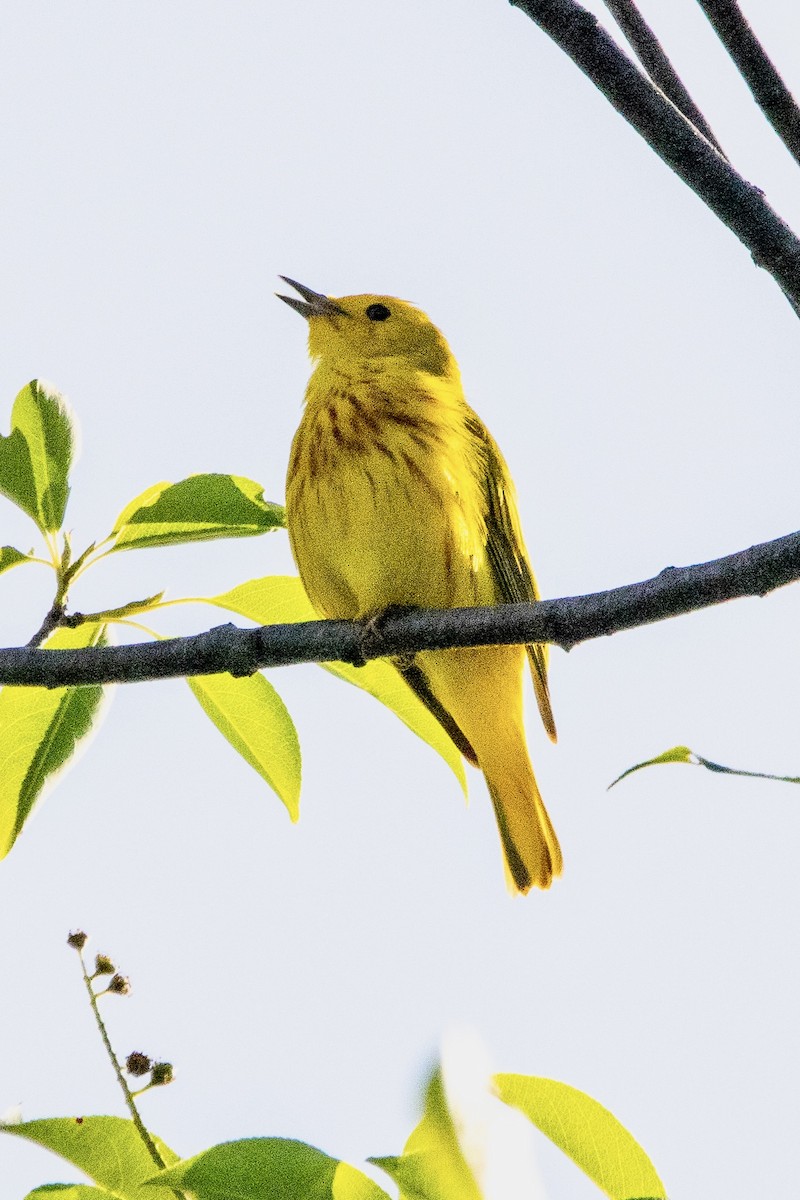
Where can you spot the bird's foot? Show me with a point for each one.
(372, 639)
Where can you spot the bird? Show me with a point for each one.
(397, 496)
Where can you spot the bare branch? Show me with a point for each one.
(653, 57)
(738, 204)
(754, 64)
(565, 623)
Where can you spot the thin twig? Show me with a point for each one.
(566, 622)
(757, 69)
(141, 1128)
(53, 619)
(654, 59)
(738, 204)
(139, 1125)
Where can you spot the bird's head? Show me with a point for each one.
(350, 329)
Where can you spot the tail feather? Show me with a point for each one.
(532, 853)
(480, 693)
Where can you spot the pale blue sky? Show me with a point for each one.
(161, 164)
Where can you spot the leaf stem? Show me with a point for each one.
(180, 600)
(136, 625)
(55, 558)
(34, 558)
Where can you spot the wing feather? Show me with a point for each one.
(508, 559)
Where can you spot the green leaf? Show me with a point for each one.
(40, 730)
(682, 754)
(268, 1169)
(432, 1165)
(251, 715)
(195, 510)
(71, 1191)
(9, 557)
(108, 1149)
(281, 600)
(587, 1132)
(36, 457)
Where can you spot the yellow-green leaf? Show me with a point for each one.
(678, 754)
(587, 1132)
(351, 1184)
(281, 600)
(36, 457)
(268, 1169)
(196, 509)
(10, 557)
(254, 719)
(71, 1191)
(108, 1149)
(40, 730)
(144, 500)
(432, 1165)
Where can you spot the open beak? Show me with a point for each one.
(313, 304)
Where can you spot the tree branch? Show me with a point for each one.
(565, 623)
(757, 69)
(738, 204)
(654, 59)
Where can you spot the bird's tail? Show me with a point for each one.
(531, 849)
(480, 692)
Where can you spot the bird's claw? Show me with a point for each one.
(372, 640)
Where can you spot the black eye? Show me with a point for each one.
(378, 312)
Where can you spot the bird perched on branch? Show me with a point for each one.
(397, 495)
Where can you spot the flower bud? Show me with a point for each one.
(138, 1063)
(162, 1073)
(120, 985)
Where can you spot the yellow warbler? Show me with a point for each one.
(397, 494)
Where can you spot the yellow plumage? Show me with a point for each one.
(396, 494)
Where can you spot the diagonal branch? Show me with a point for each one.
(738, 204)
(654, 59)
(566, 622)
(757, 69)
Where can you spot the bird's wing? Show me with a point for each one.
(508, 560)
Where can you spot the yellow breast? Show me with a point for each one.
(383, 497)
